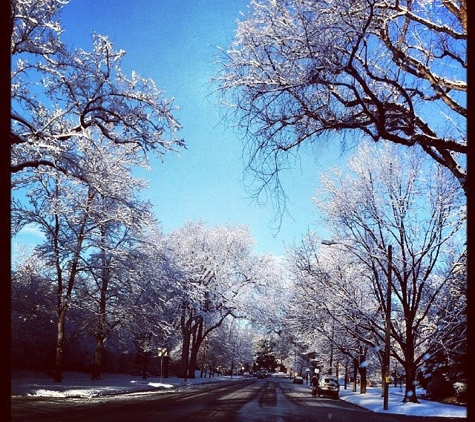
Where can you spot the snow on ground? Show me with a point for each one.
(80, 385)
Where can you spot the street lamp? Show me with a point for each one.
(388, 330)
(387, 324)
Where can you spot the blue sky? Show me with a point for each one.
(174, 43)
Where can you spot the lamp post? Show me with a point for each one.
(331, 348)
(388, 330)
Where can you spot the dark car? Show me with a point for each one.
(328, 385)
(262, 374)
(298, 380)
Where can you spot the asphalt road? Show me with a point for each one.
(249, 400)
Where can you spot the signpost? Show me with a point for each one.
(162, 352)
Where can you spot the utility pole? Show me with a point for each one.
(388, 330)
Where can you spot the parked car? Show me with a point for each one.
(298, 380)
(246, 375)
(328, 385)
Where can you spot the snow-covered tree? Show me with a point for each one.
(444, 371)
(302, 71)
(153, 302)
(57, 95)
(84, 214)
(415, 206)
(333, 307)
(73, 115)
(32, 314)
(218, 270)
(230, 346)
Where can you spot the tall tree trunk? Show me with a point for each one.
(186, 321)
(100, 334)
(363, 372)
(410, 368)
(62, 305)
(58, 374)
(346, 375)
(145, 359)
(164, 368)
(203, 365)
(96, 367)
(355, 373)
(184, 355)
(197, 337)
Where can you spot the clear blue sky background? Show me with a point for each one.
(174, 43)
